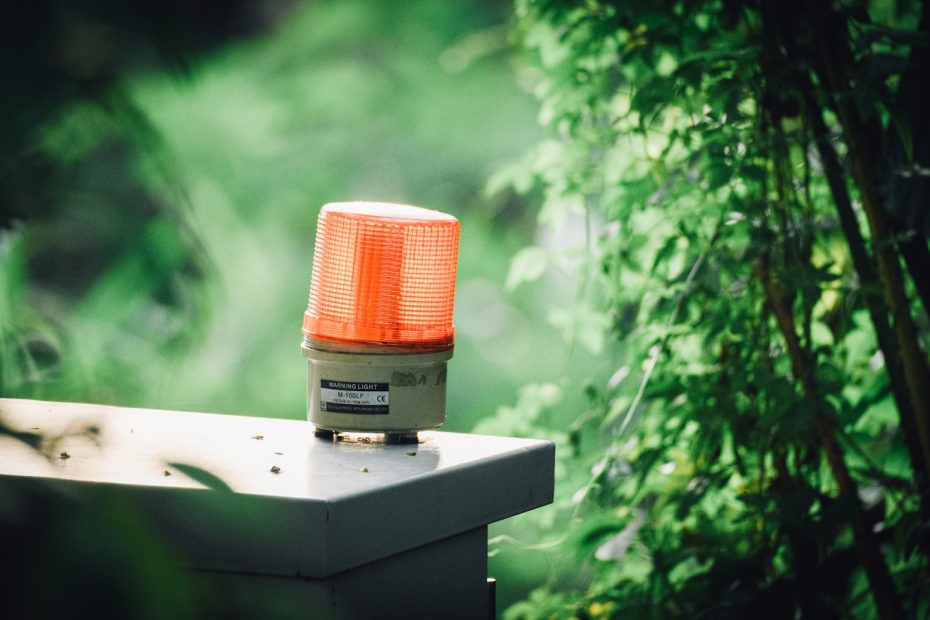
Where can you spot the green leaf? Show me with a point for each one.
(517, 175)
(527, 266)
(583, 324)
(821, 334)
(557, 207)
(665, 252)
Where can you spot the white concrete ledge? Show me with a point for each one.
(330, 506)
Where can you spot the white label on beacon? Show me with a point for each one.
(351, 397)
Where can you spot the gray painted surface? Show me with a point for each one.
(443, 580)
(331, 507)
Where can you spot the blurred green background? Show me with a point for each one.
(162, 165)
(158, 230)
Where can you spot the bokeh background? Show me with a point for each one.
(162, 172)
(664, 269)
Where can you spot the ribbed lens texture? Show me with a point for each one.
(383, 274)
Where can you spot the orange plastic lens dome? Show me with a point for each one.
(383, 275)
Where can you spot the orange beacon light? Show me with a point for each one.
(378, 328)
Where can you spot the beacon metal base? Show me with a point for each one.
(389, 438)
(397, 394)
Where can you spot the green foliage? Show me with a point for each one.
(167, 262)
(687, 251)
(697, 484)
(156, 231)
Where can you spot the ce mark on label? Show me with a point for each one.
(382, 398)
